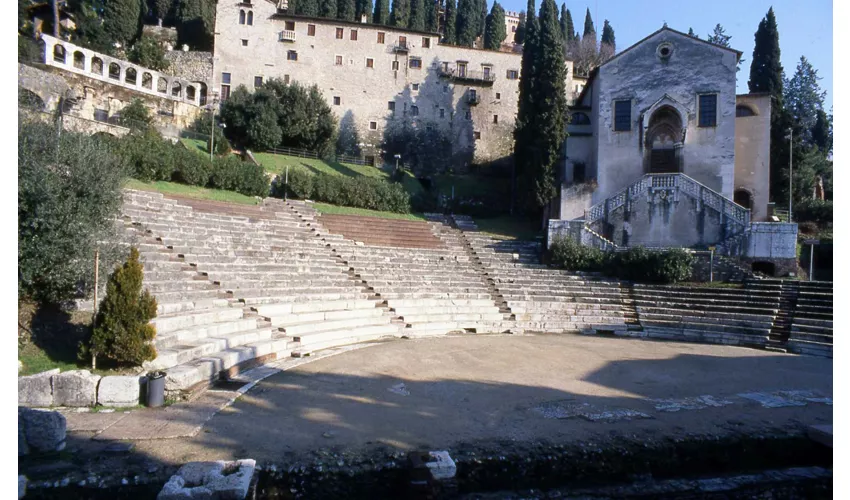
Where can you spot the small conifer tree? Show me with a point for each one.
(123, 333)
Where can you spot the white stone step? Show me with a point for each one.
(312, 307)
(346, 337)
(199, 348)
(319, 326)
(179, 321)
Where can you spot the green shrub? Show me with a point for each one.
(819, 211)
(567, 253)
(233, 174)
(136, 116)
(192, 168)
(358, 192)
(123, 333)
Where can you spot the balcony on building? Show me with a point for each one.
(286, 36)
(401, 46)
(473, 98)
(469, 77)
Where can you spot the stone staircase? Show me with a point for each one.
(237, 286)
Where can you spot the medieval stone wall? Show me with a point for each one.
(363, 79)
(752, 153)
(191, 65)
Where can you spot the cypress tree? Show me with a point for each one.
(482, 20)
(608, 36)
(327, 8)
(363, 8)
(822, 132)
(588, 26)
(495, 33)
(307, 7)
(432, 20)
(467, 22)
(417, 15)
(519, 36)
(691, 33)
(382, 12)
(549, 105)
(122, 20)
(766, 68)
(400, 15)
(345, 10)
(570, 28)
(196, 22)
(450, 36)
(524, 147)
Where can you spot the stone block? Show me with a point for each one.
(118, 391)
(44, 430)
(210, 480)
(36, 390)
(22, 486)
(75, 388)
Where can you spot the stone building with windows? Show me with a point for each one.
(379, 77)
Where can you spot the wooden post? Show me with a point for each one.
(94, 307)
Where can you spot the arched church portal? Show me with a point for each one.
(664, 141)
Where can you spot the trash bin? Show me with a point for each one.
(156, 389)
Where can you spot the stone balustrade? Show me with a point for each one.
(69, 57)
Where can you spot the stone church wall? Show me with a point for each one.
(752, 153)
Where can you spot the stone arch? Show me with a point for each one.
(130, 76)
(202, 93)
(744, 110)
(664, 140)
(162, 85)
(59, 53)
(743, 197)
(250, 18)
(176, 89)
(30, 100)
(147, 80)
(114, 71)
(764, 267)
(79, 60)
(97, 65)
(190, 93)
(241, 16)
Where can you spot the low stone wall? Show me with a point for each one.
(79, 388)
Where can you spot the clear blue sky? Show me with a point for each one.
(805, 27)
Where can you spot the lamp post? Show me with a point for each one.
(213, 102)
(790, 169)
(397, 157)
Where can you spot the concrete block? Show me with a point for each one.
(75, 388)
(44, 430)
(36, 390)
(210, 480)
(118, 391)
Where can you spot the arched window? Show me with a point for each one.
(250, 18)
(175, 89)
(59, 54)
(147, 80)
(114, 71)
(162, 85)
(741, 110)
(130, 76)
(744, 198)
(79, 60)
(202, 100)
(241, 16)
(190, 93)
(580, 118)
(97, 65)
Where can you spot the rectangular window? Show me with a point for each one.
(414, 110)
(225, 92)
(426, 42)
(337, 60)
(370, 63)
(461, 69)
(339, 33)
(225, 78)
(622, 116)
(286, 79)
(354, 35)
(402, 41)
(416, 63)
(291, 55)
(289, 25)
(311, 30)
(258, 81)
(708, 110)
(244, 42)
(381, 36)
(373, 125)
(498, 95)
(442, 113)
(395, 65)
(486, 70)
(337, 100)
(415, 86)
(495, 118)
(391, 105)
(512, 74)
(477, 135)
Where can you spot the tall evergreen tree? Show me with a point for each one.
(400, 15)
(450, 35)
(195, 23)
(417, 15)
(608, 36)
(565, 32)
(803, 98)
(327, 8)
(822, 132)
(588, 26)
(766, 68)
(691, 33)
(432, 19)
(345, 10)
(467, 22)
(482, 19)
(122, 20)
(307, 7)
(519, 36)
(524, 131)
(495, 33)
(570, 28)
(160, 9)
(719, 36)
(382, 12)
(363, 8)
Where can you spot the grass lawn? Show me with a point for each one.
(277, 164)
(191, 191)
(509, 227)
(336, 210)
(472, 186)
(196, 145)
